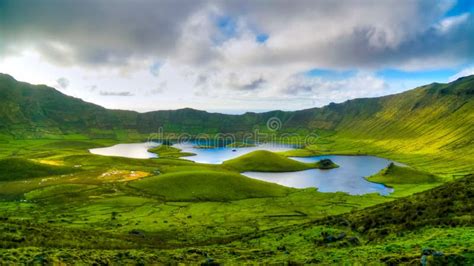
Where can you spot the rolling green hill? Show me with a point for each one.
(207, 186)
(405, 180)
(267, 161)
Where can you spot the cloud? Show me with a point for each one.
(221, 51)
(327, 90)
(62, 83)
(253, 85)
(447, 24)
(159, 89)
(95, 33)
(113, 93)
(465, 72)
(368, 34)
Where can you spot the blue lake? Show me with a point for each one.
(221, 154)
(349, 177)
(128, 150)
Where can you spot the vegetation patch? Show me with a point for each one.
(122, 175)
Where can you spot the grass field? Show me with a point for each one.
(98, 209)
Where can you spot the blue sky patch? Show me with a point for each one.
(261, 38)
(461, 6)
(227, 26)
(155, 68)
(440, 75)
(331, 74)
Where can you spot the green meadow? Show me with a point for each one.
(61, 204)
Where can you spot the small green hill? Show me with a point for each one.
(394, 174)
(207, 186)
(266, 161)
(13, 169)
(405, 180)
(166, 151)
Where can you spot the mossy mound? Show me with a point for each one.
(405, 180)
(208, 186)
(266, 161)
(166, 151)
(393, 175)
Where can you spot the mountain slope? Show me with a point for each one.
(430, 123)
(414, 113)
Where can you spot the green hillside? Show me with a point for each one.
(434, 226)
(13, 169)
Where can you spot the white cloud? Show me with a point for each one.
(170, 55)
(449, 23)
(465, 72)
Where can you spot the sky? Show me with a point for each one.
(234, 56)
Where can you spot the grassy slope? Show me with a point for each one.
(437, 220)
(393, 232)
(207, 186)
(15, 169)
(431, 127)
(405, 180)
(450, 204)
(266, 161)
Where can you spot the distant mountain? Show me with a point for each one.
(436, 117)
(37, 110)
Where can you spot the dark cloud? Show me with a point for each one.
(113, 93)
(325, 34)
(95, 32)
(200, 80)
(253, 85)
(297, 89)
(62, 83)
